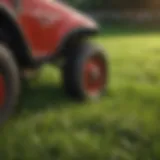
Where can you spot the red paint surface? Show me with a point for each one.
(2, 91)
(45, 23)
(91, 85)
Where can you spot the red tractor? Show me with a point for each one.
(34, 32)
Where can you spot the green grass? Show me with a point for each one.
(123, 125)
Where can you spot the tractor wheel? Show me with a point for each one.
(9, 84)
(85, 73)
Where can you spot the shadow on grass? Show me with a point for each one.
(41, 97)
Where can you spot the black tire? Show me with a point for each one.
(10, 72)
(73, 71)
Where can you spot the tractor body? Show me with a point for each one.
(40, 30)
(35, 32)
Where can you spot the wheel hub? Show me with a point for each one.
(94, 79)
(2, 90)
(95, 73)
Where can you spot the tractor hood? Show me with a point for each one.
(68, 16)
(55, 22)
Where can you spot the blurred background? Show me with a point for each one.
(121, 11)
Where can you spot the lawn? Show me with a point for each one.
(123, 125)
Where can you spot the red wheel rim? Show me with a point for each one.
(2, 90)
(94, 75)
